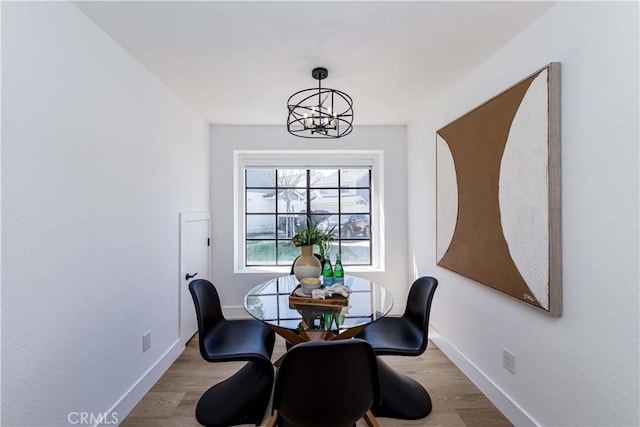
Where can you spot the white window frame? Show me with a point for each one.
(303, 159)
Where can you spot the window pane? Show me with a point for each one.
(261, 253)
(325, 201)
(356, 252)
(260, 202)
(320, 221)
(288, 226)
(288, 178)
(324, 178)
(355, 200)
(261, 177)
(354, 178)
(355, 226)
(261, 226)
(287, 253)
(328, 223)
(292, 200)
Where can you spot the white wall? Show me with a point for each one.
(98, 159)
(224, 139)
(580, 369)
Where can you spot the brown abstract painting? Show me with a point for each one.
(498, 192)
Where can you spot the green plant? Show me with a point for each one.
(312, 235)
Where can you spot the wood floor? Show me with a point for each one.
(456, 401)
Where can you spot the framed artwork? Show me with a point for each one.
(499, 192)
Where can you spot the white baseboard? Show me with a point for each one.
(495, 394)
(130, 399)
(398, 309)
(235, 312)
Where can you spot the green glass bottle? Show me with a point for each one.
(327, 273)
(338, 271)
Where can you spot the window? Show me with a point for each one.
(276, 196)
(281, 201)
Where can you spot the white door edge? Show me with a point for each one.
(186, 217)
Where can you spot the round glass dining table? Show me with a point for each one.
(298, 322)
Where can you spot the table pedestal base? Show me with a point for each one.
(241, 399)
(402, 397)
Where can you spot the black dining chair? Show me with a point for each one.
(243, 398)
(407, 335)
(326, 383)
(402, 396)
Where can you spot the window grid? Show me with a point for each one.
(309, 214)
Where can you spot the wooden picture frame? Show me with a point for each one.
(498, 217)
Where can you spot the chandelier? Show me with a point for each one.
(321, 112)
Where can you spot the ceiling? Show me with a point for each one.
(237, 62)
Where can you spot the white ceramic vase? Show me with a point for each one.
(307, 265)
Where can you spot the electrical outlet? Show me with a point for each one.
(509, 361)
(146, 341)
